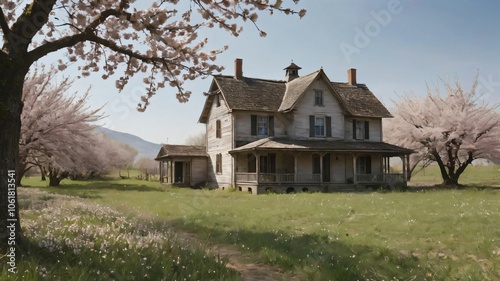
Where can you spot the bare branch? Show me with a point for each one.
(3, 24)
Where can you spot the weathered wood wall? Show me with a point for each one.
(299, 128)
(219, 145)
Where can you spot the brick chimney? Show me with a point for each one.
(351, 76)
(238, 68)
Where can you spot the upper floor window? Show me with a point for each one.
(318, 97)
(262, 125)
(217, 100)
(320, 126)
(218, 133)
(360, 129)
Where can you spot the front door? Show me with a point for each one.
(326, 168)
(179, 172)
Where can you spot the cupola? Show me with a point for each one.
(291, 72)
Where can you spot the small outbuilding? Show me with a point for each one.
(183, 164)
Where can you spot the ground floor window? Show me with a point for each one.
(364, 165)
(218, 163)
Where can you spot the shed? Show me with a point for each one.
(183, 164)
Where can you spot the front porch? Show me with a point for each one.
(290, 183)
(319, 166)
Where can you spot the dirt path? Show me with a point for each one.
(240, 262)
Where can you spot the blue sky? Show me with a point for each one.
(396, 46)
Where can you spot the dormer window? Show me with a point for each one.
(318, 97)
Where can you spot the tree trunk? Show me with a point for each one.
(42, 171)
(20, 172)
(11, 86)
(54, 180)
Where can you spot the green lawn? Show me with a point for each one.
(432, 234)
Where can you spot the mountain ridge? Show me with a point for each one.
(144, 148)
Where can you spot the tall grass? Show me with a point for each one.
(431, 234)
(68, 238)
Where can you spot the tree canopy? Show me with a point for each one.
(123, 38)
(451, 129)
(58, 132)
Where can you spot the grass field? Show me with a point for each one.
(429, 234)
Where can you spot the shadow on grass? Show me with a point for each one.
(319, 257)
(438, 187)
(93, 188)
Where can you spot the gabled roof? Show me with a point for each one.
(247, 94)
(360, 100)
(172, 150)
(281, 144)
(279, 96)
(298, 86)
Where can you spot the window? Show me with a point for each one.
(217, 100)
(218, 133)
(318, 97)
(316, 168)
(319, 127)
(252, 167)
(267, 163)
(364, 165)
(262, 125)
(218, 163)
(360, 130)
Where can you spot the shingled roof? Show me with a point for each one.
(360, 100)
(283, 144)
(172, 150)
(250, 93)
(279, 96)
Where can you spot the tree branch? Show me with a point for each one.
(3, 24)
(33, 18)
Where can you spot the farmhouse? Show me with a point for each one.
(304, 133)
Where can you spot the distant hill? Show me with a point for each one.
(144, 148)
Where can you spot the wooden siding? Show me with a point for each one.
(375, 126)
(219, 145)
(306, 107)
(243, 125)
(338, 168)
(198, 170)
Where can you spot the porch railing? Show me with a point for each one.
(278, 178)
(314, 178)
(375, 178)
(246, 177)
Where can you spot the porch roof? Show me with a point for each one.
(172, 150)
(286, 144)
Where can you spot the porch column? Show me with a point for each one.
(321, 167)
(161, 170)
(257, 166)
(354, 158)
(408, 168)
(171, 179)
(404, 167)
(295, 170)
